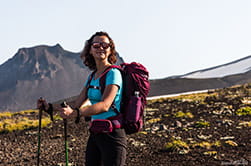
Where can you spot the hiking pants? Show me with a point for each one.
(107, 149)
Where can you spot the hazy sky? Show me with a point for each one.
(170, 37)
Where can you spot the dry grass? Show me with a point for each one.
(21, 121)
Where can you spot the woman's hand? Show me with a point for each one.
(42, 104)
(67, 112)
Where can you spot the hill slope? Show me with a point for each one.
(47, 71)
(239, 66)
(174, 85)
(210, 128)
(56, 74)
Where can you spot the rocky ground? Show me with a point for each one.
(202, 129)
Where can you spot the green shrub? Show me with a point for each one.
(6, 114)
(206, 145)
(176, 145)
(210, 153)
(202, 123)
(244, 111)
(153, 121)
(9, 125)
(200, 97)
(181, 114)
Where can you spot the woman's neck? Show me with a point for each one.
(101, 68)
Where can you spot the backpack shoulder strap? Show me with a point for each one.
(90, 79)
(102, 81)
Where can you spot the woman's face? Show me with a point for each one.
(100, 48)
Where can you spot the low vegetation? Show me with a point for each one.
(244, 111)
(22, 121)
(202, 123)
(195, 97)
(177, 146)
(181, 114)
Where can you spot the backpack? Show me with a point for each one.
(136, 87)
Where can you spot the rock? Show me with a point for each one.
(178, 124)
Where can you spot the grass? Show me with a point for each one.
(210, 153)
(155, 120)
(10, 123)
(194, 97)
(243, 111)
(181, 114)
(200, 97)
(202, 123)
(176, 145)
(6, 114)
(206, 144)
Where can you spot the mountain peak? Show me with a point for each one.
(39, 48)
(58, 46)
(42, 70)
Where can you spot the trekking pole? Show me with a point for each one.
(39, 131)
(65, 136)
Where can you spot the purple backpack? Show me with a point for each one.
(136, 87)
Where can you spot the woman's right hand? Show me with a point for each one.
(42, 104)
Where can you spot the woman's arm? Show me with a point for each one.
(102, 106)
(79, 102)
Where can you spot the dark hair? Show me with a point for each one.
(88, 58)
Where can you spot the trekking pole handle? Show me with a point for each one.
(49, 110)
(64, 104)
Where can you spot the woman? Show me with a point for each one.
(109, 148)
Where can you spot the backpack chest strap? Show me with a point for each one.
(94, 87)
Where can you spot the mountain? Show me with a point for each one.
(47, 71)
(57, 74)
(226, 75)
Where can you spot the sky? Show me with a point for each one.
(169, 37)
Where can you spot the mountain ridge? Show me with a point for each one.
(47, 71)
(180, 85)
(56, 74)
(238, 66)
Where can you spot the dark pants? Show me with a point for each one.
(106, 149)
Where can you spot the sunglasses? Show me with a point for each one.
(97, 45)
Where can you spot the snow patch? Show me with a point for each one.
(236, 67)
(177, 94)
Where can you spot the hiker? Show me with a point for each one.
(104, 146)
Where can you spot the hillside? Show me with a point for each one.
(239, 66)
(233, 73)
(175, 85)
(41, 71)
(55, 74)
(201, 129)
